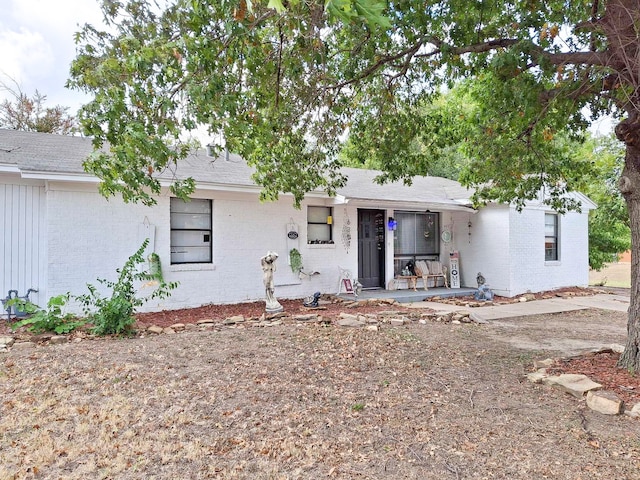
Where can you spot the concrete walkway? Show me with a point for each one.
(619, 303)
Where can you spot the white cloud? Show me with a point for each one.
(24, 54)
(37, 45)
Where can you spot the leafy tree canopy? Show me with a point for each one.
(284, 85)
(30, 114)
(609, 230)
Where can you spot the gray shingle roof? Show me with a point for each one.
(45, 154)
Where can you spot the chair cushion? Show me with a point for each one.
(435, 267)
(421, 266)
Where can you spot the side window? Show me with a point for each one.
(191, 231)
(551, 228)
(319, 225)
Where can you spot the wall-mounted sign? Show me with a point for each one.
(292, 234)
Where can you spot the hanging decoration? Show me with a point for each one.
(346, 231)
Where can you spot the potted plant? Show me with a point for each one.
(295, 260)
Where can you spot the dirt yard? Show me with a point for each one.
(313, 401)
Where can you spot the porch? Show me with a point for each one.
(409, 295)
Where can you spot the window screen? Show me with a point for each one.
(191, 237)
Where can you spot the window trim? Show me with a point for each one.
(328, 224)
(209, 232)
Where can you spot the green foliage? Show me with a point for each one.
(425, 139)
(609, 231)
(155, 267)
(295, 260)
(115, 314)
(286, 81)
(51, 319)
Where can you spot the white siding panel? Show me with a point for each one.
(23, 240)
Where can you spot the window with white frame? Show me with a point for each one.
(416, 237)
(551, 224)
(416, 233)
(191, 231)
(319, 225)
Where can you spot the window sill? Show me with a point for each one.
(192, 267)
(552, 263)
(317, 246)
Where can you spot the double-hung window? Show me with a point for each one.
(191, 231)
(551, 237)
(319, 225)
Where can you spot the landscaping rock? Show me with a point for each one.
(178, 327)
(58, 340)
(605, 402)
(43, 337)
(349, 322)
(237, 319)
(155, 329)
(306, 318)
(538, 376)
(634, 412)
(168, 331)
(205, 321)
(572, 383)
(547, 362)
(397, 322)
(7, 341)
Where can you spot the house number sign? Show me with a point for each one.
(292, 234)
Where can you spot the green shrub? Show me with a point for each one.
(115, 314)
(50, 320)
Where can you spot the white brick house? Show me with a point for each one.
(58, 233)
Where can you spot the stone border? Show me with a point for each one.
(370, 321)
(582, 387)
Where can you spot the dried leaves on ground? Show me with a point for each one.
(305, 401)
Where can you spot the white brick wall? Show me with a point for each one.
(529, 271)
(483, 247)
(508, 248)
(90, 237)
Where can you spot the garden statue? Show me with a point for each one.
(312, 301)
(483, 292)
(268, 263)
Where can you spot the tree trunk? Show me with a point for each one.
(628, 131)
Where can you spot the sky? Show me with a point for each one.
(37, 47)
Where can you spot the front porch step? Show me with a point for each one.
(408, 296)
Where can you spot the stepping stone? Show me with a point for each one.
(572, 383)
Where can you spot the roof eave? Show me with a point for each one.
(453, 205)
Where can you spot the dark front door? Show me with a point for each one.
(371, 248)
